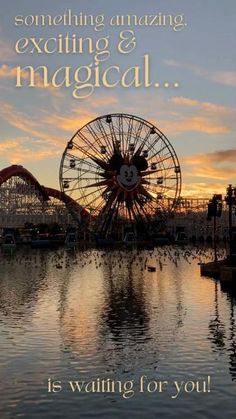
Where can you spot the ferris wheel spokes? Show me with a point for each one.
(121, 167)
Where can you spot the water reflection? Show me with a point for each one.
(116, 312)
(103, 313)
(230, 290)
(222, 336)
(217, 333)
(125, 313)
(21, 280)
(232, 347)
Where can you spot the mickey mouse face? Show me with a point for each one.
(128, 177)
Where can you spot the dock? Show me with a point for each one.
(225, 270)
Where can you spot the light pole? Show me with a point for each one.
(214, 210)
(231, 202)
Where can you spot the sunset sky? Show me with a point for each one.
(198, 117)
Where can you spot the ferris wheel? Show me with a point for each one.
(121, 167)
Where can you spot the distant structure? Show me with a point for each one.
(24, 200)
(191, 218)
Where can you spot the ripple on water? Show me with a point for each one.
(103, 315)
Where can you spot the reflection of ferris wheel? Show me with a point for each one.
(121, 167)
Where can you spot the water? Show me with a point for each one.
(101, 315)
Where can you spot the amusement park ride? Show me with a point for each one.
(123, 170)
(24, 200)
(118, 174)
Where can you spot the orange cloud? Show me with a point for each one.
(25, 149)
(71, 123)
(213, 172)
(179, 114)
(78, 117)
(223, 77)
(27, 124)
(211, 108)
(220, 156)
(195, 123)
(218, 166)
(8, 145)
(202, 190)
(206, 174)
(10, 72)
(204, 117)
(7, 72)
